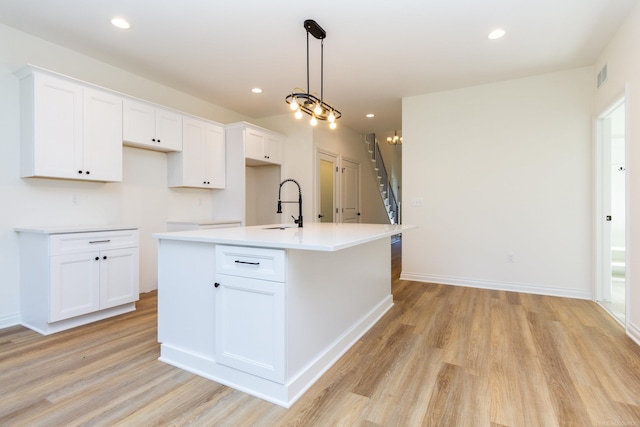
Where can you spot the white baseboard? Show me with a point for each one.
(9, 320)
(633, 331)
(498, 286)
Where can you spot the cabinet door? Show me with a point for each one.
(190, 161)
(119, 277)
(213, 156)
(272, 149)
(250, 322)
(168, 130)
(138, 124)
(75, 285)
(57, 129)
(254, 145)
(102, 136)
(186, 277)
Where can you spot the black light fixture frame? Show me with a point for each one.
(307, 102)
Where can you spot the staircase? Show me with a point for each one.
(386, 191)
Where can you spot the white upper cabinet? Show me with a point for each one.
(69, 130)
(102, 135)
(201, 163)
(149, 126)
(262, 147)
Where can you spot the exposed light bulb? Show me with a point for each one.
(313, 121)
(294, 105)
(317, 110)
(331, 118)
(332, 125)
(298, 114)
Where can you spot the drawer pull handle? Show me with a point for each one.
(100, 241)
(247, 262)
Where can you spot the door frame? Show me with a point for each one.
(601, 254)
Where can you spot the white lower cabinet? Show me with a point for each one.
(69, 279)
(90, 281)
(250, 311)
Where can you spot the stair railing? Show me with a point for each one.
(386, 190)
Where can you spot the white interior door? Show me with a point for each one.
(350, 191)
(326, 177)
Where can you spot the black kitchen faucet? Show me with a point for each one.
(280, 202)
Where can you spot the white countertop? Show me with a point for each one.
(206, 221)
(64, 229)
(313, 236)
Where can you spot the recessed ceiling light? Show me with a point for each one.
(256, 90)
(120, 23)
(496, 34)
(370, 115)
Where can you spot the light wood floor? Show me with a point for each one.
(443, 356)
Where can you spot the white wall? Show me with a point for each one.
(142, 199)
(623, 61)
(503, 169)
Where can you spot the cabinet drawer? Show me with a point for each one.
(61, 244)
(255, 263)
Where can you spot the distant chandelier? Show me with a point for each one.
(301, 101)
(395, 139)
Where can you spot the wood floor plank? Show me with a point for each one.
(442, 356)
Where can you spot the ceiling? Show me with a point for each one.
(375, 52)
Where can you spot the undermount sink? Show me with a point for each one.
(281, 227)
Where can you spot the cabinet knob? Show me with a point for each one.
(153, 139)
(88, 172)
(80, 172)
(216, 284)
(158, 140)
(104, 257)
(97, 258)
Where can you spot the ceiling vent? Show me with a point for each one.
(602, 76)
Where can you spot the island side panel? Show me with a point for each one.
(332, 299)
(186, 277)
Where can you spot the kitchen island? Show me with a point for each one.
(268, 309)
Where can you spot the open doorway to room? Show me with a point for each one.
(326, 170)
(611, 267)
(337, 188)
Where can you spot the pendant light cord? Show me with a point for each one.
(321, 70)
(308, 62)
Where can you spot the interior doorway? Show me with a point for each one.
(326, 170)
(611, 283)
(350, 191)
(337, 188)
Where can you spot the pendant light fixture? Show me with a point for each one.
(306, 102)
(395, 140)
